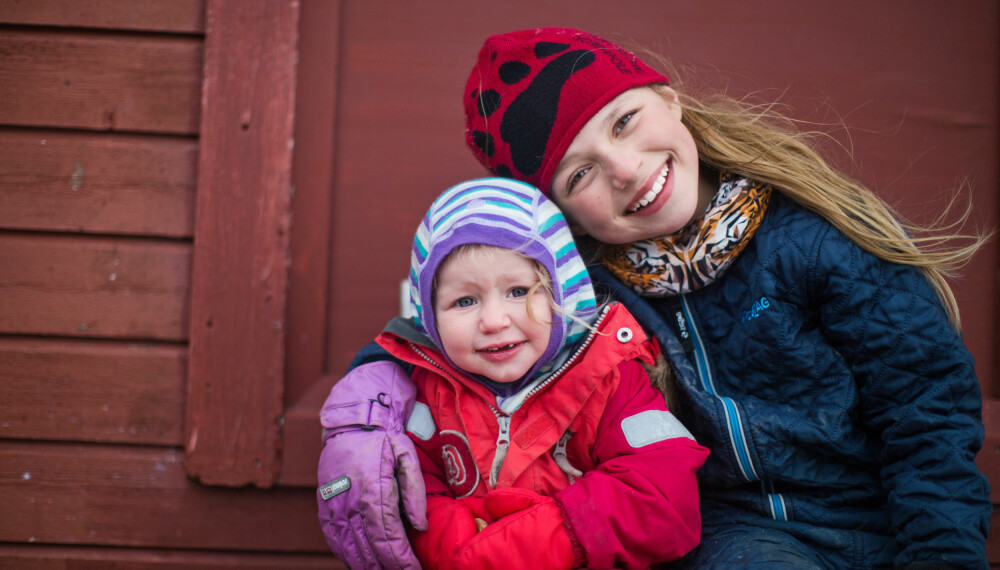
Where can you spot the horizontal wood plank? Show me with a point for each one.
(98, 81)
(97, 182)
(179, 16)
(42, 557)
(94, 287)
(83, 390)
(81, 494)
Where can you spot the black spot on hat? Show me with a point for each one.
(546, 49)
(527, 123)
(484, 142)
(489, 102)
(503, 170)
(514, 71)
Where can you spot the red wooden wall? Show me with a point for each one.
(206, 208)
(106, 123)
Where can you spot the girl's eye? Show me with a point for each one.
(623, 121)
(575, 178)
(518, 291)
(465, 302)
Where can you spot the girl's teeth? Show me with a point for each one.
(654, 191)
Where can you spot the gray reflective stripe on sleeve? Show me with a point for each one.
(421, 424)
(652, 426)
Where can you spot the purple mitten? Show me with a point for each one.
(366, 463)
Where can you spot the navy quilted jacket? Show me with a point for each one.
(837, 400)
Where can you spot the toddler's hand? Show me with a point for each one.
(527, 532)
(450, 524)
(368, 467)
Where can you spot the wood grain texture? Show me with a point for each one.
(111, 495)
(99, 81)
(82, 390)
(176, 16)
(97, 182)
(66, 285)
(173, 16)
(45, 557)
(241, 255)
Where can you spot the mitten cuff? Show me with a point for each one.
(579, 554)
(378, 395)
(368, 415)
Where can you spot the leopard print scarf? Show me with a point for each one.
(701, 251)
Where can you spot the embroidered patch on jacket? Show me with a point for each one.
(421, 423)
(652, 426)
(758, 307)
(459, 466)
(335, 487)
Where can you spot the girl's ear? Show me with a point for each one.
(670, 96)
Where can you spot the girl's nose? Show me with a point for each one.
(493, 316)
(622, 168)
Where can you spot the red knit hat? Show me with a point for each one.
(532, 91)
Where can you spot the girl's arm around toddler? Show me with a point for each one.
(639, 504)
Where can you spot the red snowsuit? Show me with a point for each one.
(636, 502)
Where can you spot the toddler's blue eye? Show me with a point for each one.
(464, 302)
(518, 291)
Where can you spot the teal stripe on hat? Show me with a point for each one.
(571, 281)
(421, 249)
(518, 191)
(549, 223)
(461, 210)
(568, 249)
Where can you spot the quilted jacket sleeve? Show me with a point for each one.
(919, 394)
(640, 504)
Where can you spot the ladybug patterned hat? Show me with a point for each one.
(532, 91)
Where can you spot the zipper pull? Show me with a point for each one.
(562, 460)
(503, 440)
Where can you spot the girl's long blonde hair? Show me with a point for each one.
(762, 144)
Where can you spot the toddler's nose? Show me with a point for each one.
(493, 317)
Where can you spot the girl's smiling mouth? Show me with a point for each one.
(499, 352)
(653, 192)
